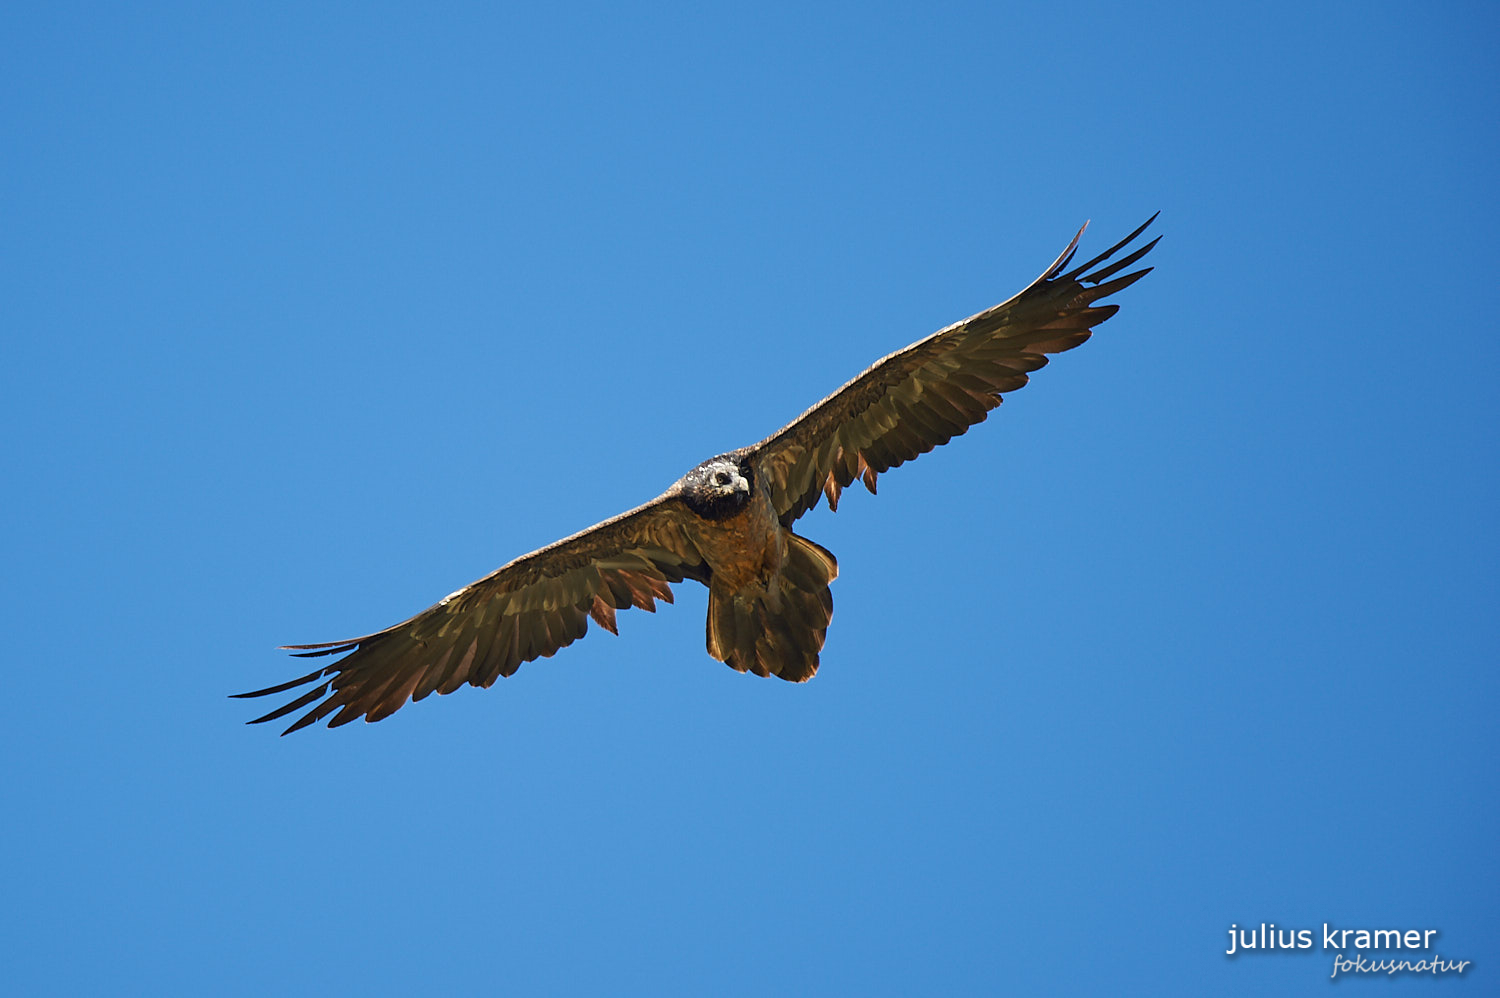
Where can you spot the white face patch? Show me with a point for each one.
(725, 478)
(717, 488)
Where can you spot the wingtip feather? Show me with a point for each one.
(1063, 258)
(1075, 273)
(281, 688)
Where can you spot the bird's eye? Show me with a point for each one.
(721, 478)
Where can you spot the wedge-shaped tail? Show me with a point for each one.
(776, 629)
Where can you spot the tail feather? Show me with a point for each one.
(777, 629)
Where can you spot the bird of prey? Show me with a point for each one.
(727, 523)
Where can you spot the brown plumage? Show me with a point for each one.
(727, 523)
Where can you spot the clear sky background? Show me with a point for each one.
(316, 312)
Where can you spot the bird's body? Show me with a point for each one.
(727, 523)
(768, 597)
(745, 547)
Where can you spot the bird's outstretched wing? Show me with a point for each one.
(923, 396)
(524, 610)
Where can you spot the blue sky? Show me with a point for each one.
(315, 312)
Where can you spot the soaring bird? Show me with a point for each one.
(727, 523)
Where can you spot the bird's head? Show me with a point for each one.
(718, 487)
